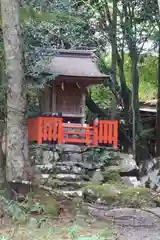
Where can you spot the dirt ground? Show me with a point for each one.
(72, 226)
(82, 226)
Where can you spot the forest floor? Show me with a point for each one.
(81, 230)
(72, 225)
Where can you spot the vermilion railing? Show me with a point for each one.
(52, 129)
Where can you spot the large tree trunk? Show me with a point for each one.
(17, 164)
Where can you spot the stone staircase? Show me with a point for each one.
(64, 170)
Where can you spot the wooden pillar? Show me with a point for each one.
(46, 100)
(83, 104)
(53, 98)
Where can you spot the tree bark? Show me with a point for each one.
(2, 156)
(135, 101)
(17, 162)
(159, 5)
(158, 105)
(114, 56)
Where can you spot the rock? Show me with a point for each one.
(109, 157)
(68, 194)
(56, 156)
(62, 167)
(68, 148)
(97, 177)
(118, 195)
(68, 177)
(158, 190)
(70, 152)
(111, 174)
(33, 222)
(149, 165)
(156, 198)
(128, 216)
(150, 171)
(131, 181)
(44, 176)
(35, 155)
(48, 157)
(127, 163)
(152, 179)
(45, 168)
(65, 185)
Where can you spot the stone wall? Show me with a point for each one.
(68, 168)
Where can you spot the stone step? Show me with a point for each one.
(60, 168)
(65, 185)
(64, 193)
(68, 194)
(70, 177)
(69, 165)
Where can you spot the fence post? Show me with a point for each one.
(60, 131)
(115, 143)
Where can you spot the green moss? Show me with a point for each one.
(51, 207)
(119, 195)
(111, 175)
(46, 200)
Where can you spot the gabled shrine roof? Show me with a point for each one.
(79, 63)
(75, 63)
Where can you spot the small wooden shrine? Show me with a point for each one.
(62, 117)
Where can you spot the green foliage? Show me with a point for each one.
(147, 73)
(101, 95)
(119, 195)
(111, 176)
(47, 232)
(73, 232)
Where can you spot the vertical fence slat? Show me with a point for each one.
(100, 131)
(39, 130)
(60, 131)
(110, 134)
(105, 131)
(95, 135)
(50, 127)
(55, 129)
(44, 129)
(87, 133)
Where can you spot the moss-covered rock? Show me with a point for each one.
(65, 185)
(51, 207)
(45, 199)
(111, 175)
(118, 195)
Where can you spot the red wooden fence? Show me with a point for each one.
(52, 129)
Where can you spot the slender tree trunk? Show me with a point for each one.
(114, 56)
(17, 164)
(158, 104)
(159, 5)
(135, 101)
(2, 156)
